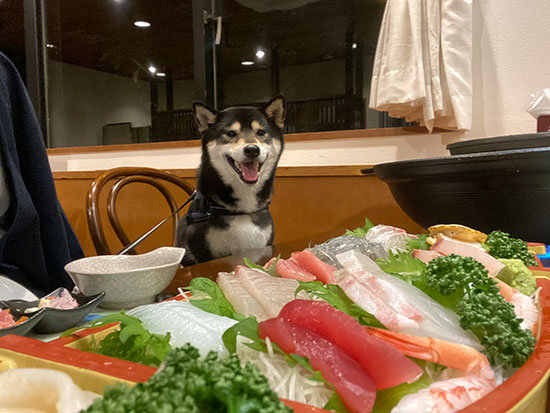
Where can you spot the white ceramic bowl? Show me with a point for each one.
(128, 280)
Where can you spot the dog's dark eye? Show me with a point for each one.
(260, 132)
(231, 133)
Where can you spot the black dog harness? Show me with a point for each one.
(202, 209)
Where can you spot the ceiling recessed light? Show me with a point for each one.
(260, 54)
(247, 63)
(354, 46)
(152, 69)
(141, 23)
(161, 74)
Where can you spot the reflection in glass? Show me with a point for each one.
(112, 64)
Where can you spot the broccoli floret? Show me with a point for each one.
(477, 301)
(191, 384)
(517, 275)
(501, 245)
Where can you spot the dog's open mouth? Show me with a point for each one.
(248, 171)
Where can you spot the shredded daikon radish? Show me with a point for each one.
(269, 346)
(290, 383)
(535, 295)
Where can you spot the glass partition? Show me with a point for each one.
(110, 72)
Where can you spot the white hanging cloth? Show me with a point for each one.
(423, 64)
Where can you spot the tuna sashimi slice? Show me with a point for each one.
(446, 246)
(354, 386)
(241, 299)
(383, 362)
(272, 292)
(289, 269)
(308, 261)
(425, 255)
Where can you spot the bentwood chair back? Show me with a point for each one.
(122, 177)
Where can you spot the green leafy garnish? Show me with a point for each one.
(361, 231)
(131, 341)
(189, 383)
(337, 298)
(336, 404)
(403, 265)
(269, 270)
(247, 328)
(212, 298)
(387, 399)
(418, 243)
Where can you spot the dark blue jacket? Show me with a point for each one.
(39, 240)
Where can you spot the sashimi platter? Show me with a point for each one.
(375, 320)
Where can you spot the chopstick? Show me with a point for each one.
(144, 236)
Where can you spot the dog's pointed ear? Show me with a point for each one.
(275, 110)
(204, 116)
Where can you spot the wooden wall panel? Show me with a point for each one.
(307, 202)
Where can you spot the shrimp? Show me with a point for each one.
(446, 353)
(446, 396)
(524, 307)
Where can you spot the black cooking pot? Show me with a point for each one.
(506, 190)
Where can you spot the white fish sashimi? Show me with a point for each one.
(241, 299)
(391, 238)
(430, 318)
(272, 292)
(186, 324)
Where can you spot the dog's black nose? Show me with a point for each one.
(252, 151)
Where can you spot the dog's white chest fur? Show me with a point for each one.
(242, 234)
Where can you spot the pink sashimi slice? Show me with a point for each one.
(308, 261)
(383, 362)
(354, 386)
(289, 269)
(425, 255)
(6, 319)
(446, 246)
(368, 300)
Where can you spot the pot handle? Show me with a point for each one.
(368, 171)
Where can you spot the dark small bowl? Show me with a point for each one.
(22, 328)
(57, 320)
(506, 190)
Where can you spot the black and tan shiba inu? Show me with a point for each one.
(241, 147)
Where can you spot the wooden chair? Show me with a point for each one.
(123, 177)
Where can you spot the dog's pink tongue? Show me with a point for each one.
(250, 171)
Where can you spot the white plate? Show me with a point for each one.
(11, 290)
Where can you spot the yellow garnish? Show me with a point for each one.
(457, 231)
